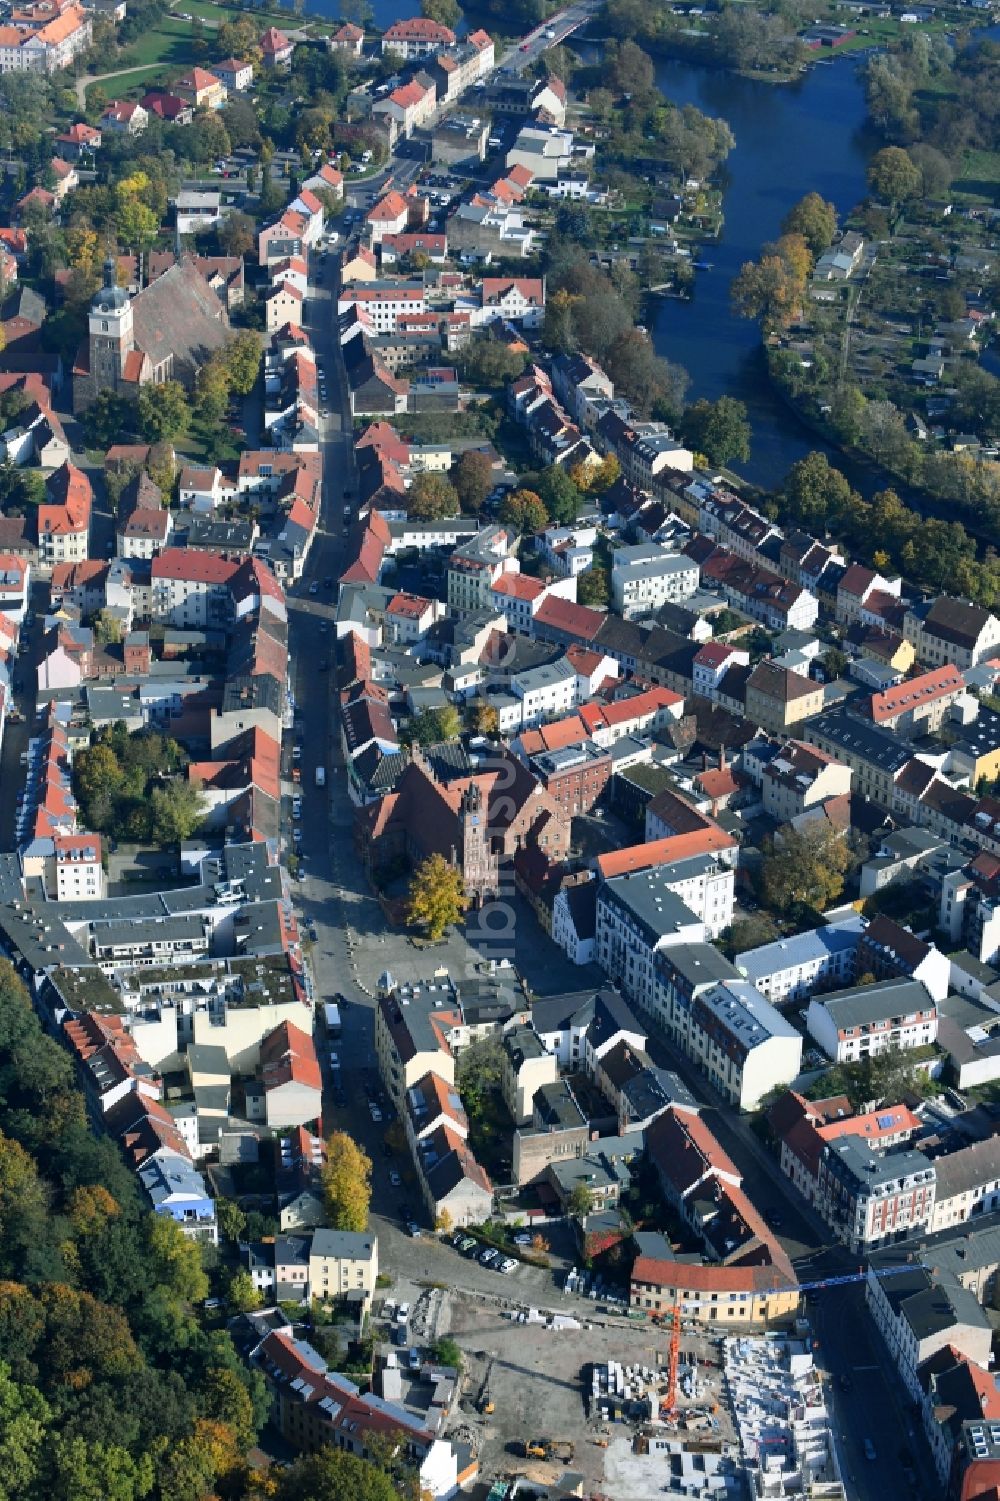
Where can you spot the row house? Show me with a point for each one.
(568, 550)
(889, 950)
(800, 777)
(383, 302)
(192, 589)
(579, 381)
(791, 969)
(760, 593)
(919, 1312)
(871, 1198)
(918, 705)
(519, 597)
(947, 630)
(457, 68)
(802, 1128)
(722, 1023)
(857, 590)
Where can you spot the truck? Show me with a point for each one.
(331, 1016)
(321, 776)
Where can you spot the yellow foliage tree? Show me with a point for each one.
(437, 896)
(347, 1183)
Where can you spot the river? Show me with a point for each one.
(790, 139)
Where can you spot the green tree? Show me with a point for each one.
(558, 494)
(241, 1295)
(580, 1202)
(814, 219)
(593, 587)
(893, 177)
(432, 497)
(231, 1219)
(107, 629)
(806, 867)
(482, 718)
(472, 478)
(333, 1475)
(211, 397)
(242, 356)
(176, 1259)
(82, 1470)
(718, 429)
(445, 12)
(163, 410)
(816, 493)
(446, 1352)
(347, 1183)
(437, 897)
(177, 810)
(629, 70)
(24, 1423)
(524, 510)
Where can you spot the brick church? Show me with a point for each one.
(165, 332)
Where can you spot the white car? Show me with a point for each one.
(402, 1313)
(374, 1111)
(507, 1266)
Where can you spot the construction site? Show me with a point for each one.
(615, 1410)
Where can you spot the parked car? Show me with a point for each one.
(414, 1359)
(466, 1243)
(871, 1452)
(488, 1256)
(374, 1111)
(402, 1313)
(507, 1266)
(394, 1178)
(523, 1239)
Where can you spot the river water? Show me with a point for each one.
(790, 139)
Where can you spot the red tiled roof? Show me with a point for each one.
(707, 841)
(913, 692)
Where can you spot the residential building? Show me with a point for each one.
(919, 1313)
(777, 698)
(968, 1183)
(799, 778)
(887, 949)
(872, 1198)
(792, 969)
(236, 74)
(856, 1023)
(314, 1407)
(525, 1067)
(947, 630)
(417, 37)
(342, 1263)
(645, 577)
(292, 1082)
(918, 705)
(47, 47)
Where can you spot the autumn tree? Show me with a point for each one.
(472, 479)
(432, 497)
(437, 896)
(524, 510)
(814, 219)
(771, 289)
(347, 1183)
(482, 717)
(816, 493)
(807, 866)
(176, 812)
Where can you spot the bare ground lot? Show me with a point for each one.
(540, 1385)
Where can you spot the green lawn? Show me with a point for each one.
(216, 14)
(169, 41)
(980, 176)
(132, 78)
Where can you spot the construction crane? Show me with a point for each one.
(669, 1404)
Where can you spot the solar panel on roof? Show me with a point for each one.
(884, 1122)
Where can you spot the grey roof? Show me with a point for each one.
(649, 900)
(745, 1014)
(602, 1012)
(871, 1168)
(118, 933)
(356, 1245)
(555, 1108)
(882, 748)
(522, 1044)
(179, 314)
(787, 953)
(862, 1004)
(940, 1307)
(959, 1172)
(697, 966)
